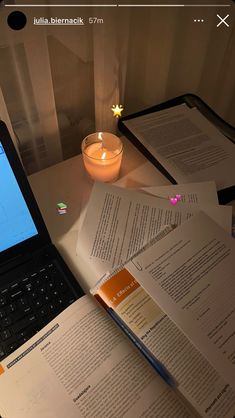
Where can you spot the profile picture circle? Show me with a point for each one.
(16, 20)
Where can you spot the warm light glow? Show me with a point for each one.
(103, 156)
(100, 136)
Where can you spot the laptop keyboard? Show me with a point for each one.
(29, 303)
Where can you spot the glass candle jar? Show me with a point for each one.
(102, 156)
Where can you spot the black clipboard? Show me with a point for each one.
(191, 100)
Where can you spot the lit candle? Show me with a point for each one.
(102, 156)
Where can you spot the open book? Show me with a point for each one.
(82, 365)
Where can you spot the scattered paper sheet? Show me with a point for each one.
(188, 146)
(190, 274)
(196, 193)
(118, 222)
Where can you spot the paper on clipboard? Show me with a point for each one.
(187, 145)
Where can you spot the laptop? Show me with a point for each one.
(35, 283)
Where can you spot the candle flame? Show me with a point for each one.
(103, 156)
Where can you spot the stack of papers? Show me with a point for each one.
(119, 222)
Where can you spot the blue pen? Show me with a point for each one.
(155, 363)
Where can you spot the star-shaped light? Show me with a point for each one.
(117, 110)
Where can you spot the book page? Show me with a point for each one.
(197, 380)
(188, 146)
(118, 222)
(81, 365)
(192, 193)
(190, 274)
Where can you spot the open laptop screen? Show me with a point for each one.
(16, 223)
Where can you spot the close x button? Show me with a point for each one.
(223, 20)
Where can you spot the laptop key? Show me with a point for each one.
(22, 303)
(50, 265)
(12, 347)
(5, 334)
(42, 289)
(31, 292)
(2, 352)
(55, 293)
(60, 302)
(26, 310)
(11, 308)
(6, 322)
(37, 303)
(23, 333)
(14, 286)
(20, 313)
(61, 284)
(16, 294)
(24, 323)
(2, 314)
(43, 311)
(16, 316)
(27, 332)
(39, 281)
(29, 287)
(46, 299)
(3, 301)
(52, 307)
(22, 341)
(50, 285)
(70, 299)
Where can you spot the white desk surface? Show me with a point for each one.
(67, 182)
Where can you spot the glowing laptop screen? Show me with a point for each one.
(16, 223)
